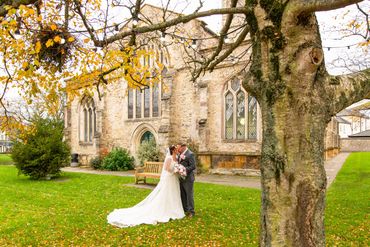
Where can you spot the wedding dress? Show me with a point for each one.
(161, 205)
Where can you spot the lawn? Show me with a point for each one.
(348, 204)
(73, 210)
(5, 159)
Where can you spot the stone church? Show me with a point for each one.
(214, 114)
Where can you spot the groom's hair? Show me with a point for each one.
(183, 144)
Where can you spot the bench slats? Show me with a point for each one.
(150, 169)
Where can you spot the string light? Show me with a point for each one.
(194, 44)
(163, 37)
(227, 39)
(135, 21)
(340, 47)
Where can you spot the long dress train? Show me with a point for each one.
(161, 205)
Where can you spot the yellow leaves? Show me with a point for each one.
(86, 40)
(71, 39)
(39, 18)
(25, 65)
(38, 47)
(49, 43)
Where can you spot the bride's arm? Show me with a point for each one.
(167, 164)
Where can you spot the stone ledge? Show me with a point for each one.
(235, 171)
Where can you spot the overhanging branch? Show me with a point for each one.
(169, 23)
(349, 89)
(309, 6)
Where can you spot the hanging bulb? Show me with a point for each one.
(194, 44)
(163, 37)
(227, 40)
(62, 41)
(135, 21)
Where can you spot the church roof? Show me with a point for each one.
(342, 120)
(365, 133)
(350, 112)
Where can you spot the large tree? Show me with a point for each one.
(287, 75)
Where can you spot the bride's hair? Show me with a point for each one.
(172, 148)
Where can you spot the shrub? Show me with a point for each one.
(96, 163)
(148, 151)
(118, 159)
(41, 152)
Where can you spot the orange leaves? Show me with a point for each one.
(57, 39)
(53, 27)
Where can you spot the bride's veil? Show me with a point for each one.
(168, 154)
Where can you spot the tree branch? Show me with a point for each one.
(349, 89)
(166, 24)
(309, 6)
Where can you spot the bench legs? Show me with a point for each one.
(137, 180)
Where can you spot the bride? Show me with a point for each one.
(161, 205)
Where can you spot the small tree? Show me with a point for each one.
(148, 151)
(41, 152)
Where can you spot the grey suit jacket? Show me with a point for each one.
(189, 164)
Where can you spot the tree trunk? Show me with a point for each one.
(289, 78)
(293, 177)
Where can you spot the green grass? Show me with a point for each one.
(347, 217)
(73, 212)
(5, 159)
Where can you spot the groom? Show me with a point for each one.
(186, 158)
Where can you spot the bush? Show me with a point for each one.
(96, 163)
(148, 151)
(41, 152)
(118, 159)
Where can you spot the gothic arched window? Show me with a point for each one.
(88, 118)
(145, 102)
(240, 113)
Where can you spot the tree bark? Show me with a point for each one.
(290, 77)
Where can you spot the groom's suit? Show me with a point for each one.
(187, 184)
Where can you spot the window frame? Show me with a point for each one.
(235, 92)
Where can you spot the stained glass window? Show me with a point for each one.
(235, 84)
(130, 103)
(85, 125)
(252, 117)
(229, 115)
(155, 100)
(147, 102)
(138, 104)
(90, 125)
(240, 115)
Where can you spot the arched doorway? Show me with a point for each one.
(147, 136)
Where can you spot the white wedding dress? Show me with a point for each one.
(161, 205)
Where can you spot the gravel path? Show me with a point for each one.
(332, 167)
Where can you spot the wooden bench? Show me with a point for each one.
(149, 170)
